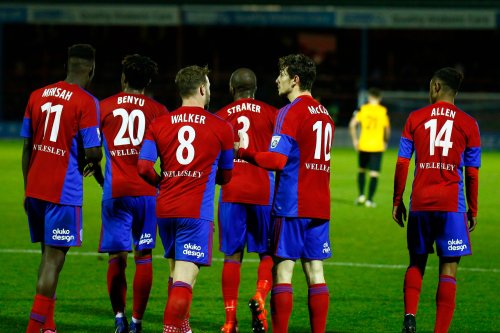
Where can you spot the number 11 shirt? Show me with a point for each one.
(62, 119)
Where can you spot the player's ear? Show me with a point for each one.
(202, 90)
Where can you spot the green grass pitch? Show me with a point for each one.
(365, 274)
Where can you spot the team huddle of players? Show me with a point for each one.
(273, 167)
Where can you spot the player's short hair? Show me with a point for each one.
(190, 78)
(139, 70)
(450, 77)
(244, 79)
(300, 65)
(81, 51)
(375, 92)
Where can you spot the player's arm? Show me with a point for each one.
(26, 158)
(387, 135)
(147, 159)
(226, 160)
(471, 192)
(265, 159)
(400, 175)
(353, 125)
(147, 171)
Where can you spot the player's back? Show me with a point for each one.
(190, 141)
(304, 183)
(124, 120)
(63, 119)
(373, 119)
(445, 140)
(255, 120)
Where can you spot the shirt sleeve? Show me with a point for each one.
(227, 145)
(472, 153)
(149, 150)
(89, 124)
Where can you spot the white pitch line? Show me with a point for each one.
(326, 263)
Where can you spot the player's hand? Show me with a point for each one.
(236, 147)
(88, 170)
(355, 145)
(399, 214)
(243, 139)
(472, 221)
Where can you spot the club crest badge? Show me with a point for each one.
(274, 141)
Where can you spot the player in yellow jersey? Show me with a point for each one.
(374, 132)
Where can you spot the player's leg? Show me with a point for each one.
(144, 235)
(452, 242)
(258, 233)
(446, 293)
(57, 227)
(282, 295)
(375, 160)
(412, 288)
(420, 238)
(316, 249)
(180, 296)
(232, 236)
(362, 164)
(42, 311)
(318, 294)
(191, 246)
(287, 244)
(116, 240)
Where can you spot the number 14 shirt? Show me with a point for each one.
(445, 140)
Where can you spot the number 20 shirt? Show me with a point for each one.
(62, 119)
(124, 120)
(304, 132)
(191, 144)
(445, 139)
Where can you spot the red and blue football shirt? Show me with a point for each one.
(445, 140)
(62, 119)
(255, 119)
(124, 120)
(192, 144)
(304, 133)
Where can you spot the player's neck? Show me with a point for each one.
(446, 99)
(76, 79)
(129, 90)
(296, 93)
(241, 96)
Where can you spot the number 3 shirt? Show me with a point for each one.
(192, 144)
(124, 120)
(250, 184)
(303, 132)
(445, 140)
(61, 119)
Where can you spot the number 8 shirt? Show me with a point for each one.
(445, 140)
(124, 120)
(62, 119)
(304, 132)
(192, 144)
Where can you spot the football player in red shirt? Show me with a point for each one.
(61, 139)
(128, 202)
(447, 148)
(195, 149)
(245, 202)
(300, 152)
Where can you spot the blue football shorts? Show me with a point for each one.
(241, 224)
(449, 230)
(54, 224)
(301, 238)
(187, 239)
(126, 220)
